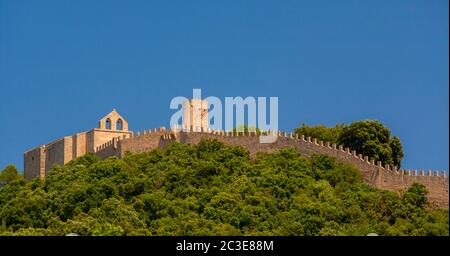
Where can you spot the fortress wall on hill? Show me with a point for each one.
(437, 185)
(107, 149)
(143, 141)
(34, 160)
(304, 147)
(374, 174)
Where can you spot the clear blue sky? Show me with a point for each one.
(64, 64)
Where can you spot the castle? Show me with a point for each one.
(112, 138)
(39, 160)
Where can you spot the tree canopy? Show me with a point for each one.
(9, 173)
(212, 189)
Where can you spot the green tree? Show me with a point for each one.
(321, 132)
(397, 151)
(371, 138)
(416, 195)
(9, 173)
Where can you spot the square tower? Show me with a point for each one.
(195, 114)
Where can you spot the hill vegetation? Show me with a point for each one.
(211, 189)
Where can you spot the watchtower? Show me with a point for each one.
(195, 114)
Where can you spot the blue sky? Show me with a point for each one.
(65, 64)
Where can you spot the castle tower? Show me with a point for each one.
(195, 114)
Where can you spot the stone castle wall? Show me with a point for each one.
(34, 160)
(437, 185)
(40, 159)
(112, 138)
(374, 174)
(79, 146)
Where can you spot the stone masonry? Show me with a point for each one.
(107, 141)
(39, 160)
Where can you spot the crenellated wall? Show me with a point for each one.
(101, 140)
(40, 159)
(436, 184)
(144, 141)
(374, 174)
(107, 149)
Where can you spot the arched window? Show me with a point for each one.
(119, 124)
(108, 124)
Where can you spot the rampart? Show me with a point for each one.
(375, 174)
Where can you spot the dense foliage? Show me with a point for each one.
(368, 137)
(321, 132)
(8, 174)
(212, 189)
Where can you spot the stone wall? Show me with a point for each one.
(107, 149)
(437, 185)
(106, 143)
(374, 174)
(40, 159)
(54, 153)
(306, 147)
(79, 144)
(33, 162)
(97, 137)
(142, 142)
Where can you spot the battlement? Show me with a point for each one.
(422, 173)
(374, 173)
(115, 140)
(339, 150)
(314, 141)
(39, 160)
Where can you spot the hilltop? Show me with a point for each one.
(212, 189)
